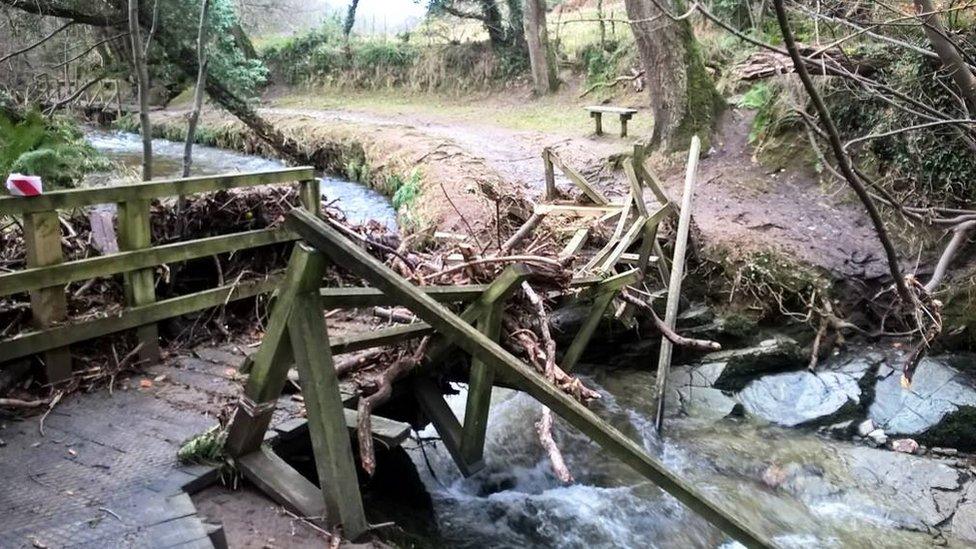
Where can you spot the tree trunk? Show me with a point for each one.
(947, 51)
(536, 38)
(350, 19)
(492, 20)
(516, 27)
(191, 128)
(684, 101)
(142, 83)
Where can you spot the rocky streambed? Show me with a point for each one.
(840, 457)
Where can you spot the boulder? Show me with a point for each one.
(691, 393)
(707, 403)
(802, 398)
(939, 407)
(920, 493)
(964, 521)
(865, 427)
(905, 446)
(733, 369)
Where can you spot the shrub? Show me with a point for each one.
(52, 148)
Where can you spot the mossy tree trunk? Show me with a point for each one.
(684, 100)
(537, 40)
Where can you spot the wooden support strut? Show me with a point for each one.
(358, 261)
(674, 285)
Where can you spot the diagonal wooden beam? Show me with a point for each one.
(358, 261)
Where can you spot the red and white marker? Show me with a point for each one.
(24, 185)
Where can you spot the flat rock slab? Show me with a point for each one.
(734, 369)
(939, 407)
(802, 398)
(924, 492)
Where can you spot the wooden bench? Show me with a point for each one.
(597, 112)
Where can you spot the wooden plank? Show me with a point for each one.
(371, 297)
(610, 110)
(586, 331)
(481, 379)
(388, 432)
(578, 210)
(72, 271)
(639, 227)
(622, 244)
(326, 424)
(677, 273)
(434, 406)
(42, 340)
(575, 243)
(603, 295)
(310, 194)
(636, 188)
(139, 285)
(269, 369)
(282, 483)
(74, 198)
(550, 175)
(577, 179)
(42, 239)
(649, 179)
(358, 261)
(612, 241)
(377, 338)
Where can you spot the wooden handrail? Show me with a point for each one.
(73, 198)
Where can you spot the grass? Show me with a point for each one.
(561, 113)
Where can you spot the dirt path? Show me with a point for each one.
(741, 206)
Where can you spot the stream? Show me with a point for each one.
(798, 486)
(360, 203)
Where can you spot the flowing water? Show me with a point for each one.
(360, 203)
(829, 497)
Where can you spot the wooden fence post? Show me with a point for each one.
(550, 175)
(310, 194)
(140, 287)
(42, 235)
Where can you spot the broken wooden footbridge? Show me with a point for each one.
(297, 334)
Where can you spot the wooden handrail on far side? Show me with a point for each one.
(47, 273)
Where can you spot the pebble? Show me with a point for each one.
(905, 446)
(878, 437)
(866, 427)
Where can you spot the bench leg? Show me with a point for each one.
(623, 125)
(598, 118)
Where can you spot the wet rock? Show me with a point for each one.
(905, 446)
(802, 398)
(865, 427)
(841, 429)
(733, 369)
(690, 391)
(945, 451)
(708, 403)
(964, 521)
(878, 437)
(926, 492)
(939, 407)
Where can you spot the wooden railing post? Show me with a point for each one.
(140, 287)
(310, 194)
(550, 175)
(42, 235)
